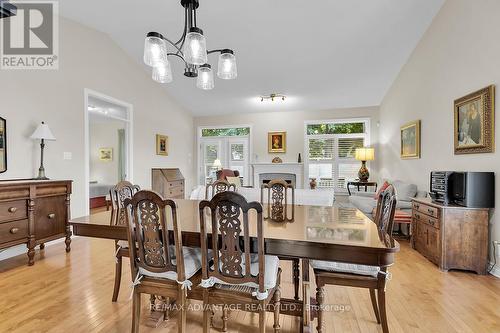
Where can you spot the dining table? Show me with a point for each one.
(331, 233)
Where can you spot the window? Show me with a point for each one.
(330, 150)
(229, 145)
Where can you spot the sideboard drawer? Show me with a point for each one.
(51, 216)
(13, 210)
(11, 231)
(427, 210)
(429, 220)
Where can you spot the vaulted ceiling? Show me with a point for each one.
(322, 54)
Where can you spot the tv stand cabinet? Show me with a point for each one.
(451, 236)
(34, 212)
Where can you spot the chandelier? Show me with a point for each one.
(191, 48)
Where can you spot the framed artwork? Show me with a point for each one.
(276, 142)
(475, 122)
(161, 145)
(410, 140)
(106, 154)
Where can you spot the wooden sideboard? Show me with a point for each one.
(169, 183)
(33, 212)
(452, 237)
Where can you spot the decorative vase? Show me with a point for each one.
(363, 173)
(299, 160)
(313, 184)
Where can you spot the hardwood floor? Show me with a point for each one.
(72, 293)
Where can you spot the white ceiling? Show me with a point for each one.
(337, 53)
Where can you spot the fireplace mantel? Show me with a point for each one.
(288, 167)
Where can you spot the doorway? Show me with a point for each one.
(108, 147)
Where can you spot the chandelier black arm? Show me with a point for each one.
(173, 44)
(185, 29)
(178, 56)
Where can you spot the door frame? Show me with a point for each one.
(129, 135)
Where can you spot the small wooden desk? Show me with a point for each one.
(321, 233)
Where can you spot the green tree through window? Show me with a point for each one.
(339, 128)
(236, 131)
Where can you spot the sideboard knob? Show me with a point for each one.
(14, 230)
(12, 209)
(51, 216)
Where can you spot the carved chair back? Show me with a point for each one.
(278, 200)
(225, 219)
(386, 208)
(147, 215)
(217, 187)
(118, 193)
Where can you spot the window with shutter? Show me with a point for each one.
(331, 147)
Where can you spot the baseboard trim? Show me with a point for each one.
(495, 270)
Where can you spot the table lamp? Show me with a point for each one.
(217, 164)
(42, 133)
(363, 155)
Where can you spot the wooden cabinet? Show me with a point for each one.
(33, 212)
(169, 183)
(452, 237)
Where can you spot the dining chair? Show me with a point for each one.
(157, 268)
(274, 196)
(373, 278)
(118, 193)
(239, 276)
(218, 186)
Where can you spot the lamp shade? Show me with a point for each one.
(195, 47)
(43, 132)
(205, 78)
(217, 163)
(227, 65)
(365, 154)
(155, 49)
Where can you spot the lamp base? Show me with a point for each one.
(363, 173)
(41, 174)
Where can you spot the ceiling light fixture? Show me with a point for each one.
(272, 97)
(191, 48)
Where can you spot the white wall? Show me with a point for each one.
(89, 59)
(293, 124)
(458, 54)
(104, 134)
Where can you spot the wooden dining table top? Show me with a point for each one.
(317, 232)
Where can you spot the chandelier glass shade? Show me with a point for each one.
(227, 65)
(205, 78)
(191, 49)
(162, 73)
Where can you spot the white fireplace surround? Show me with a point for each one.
(296, 169)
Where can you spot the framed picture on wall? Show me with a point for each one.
(410, 140)
(474, 122)
(161, 145)
(276, 142)
(106, 154)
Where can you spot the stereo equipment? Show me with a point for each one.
(468, 189)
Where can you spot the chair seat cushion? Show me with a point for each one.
(271, 272)
(342, 267)
(123, 244)
(192, 264)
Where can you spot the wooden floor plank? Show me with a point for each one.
(72, 293)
